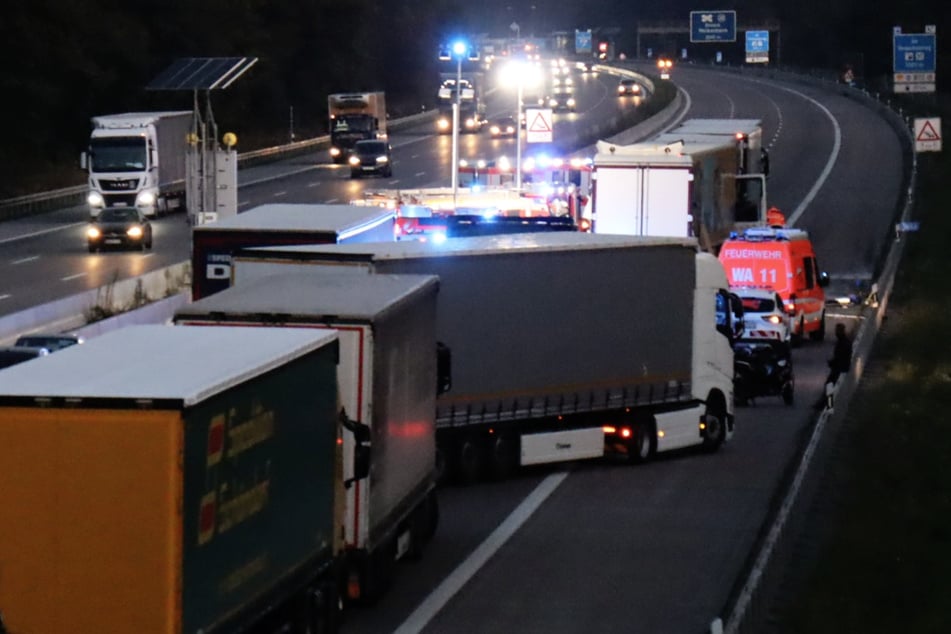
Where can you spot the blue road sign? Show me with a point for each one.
(757, 41)
(914, 52)
(582, 41)
(713, 26)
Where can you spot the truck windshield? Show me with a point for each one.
(353, 124)
(118, 154)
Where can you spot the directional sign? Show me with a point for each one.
(928, 135)
(539, 125)
(757, 47)
(713, 26)
(914, 62)
(582, 41)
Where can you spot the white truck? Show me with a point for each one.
(355, 117)
(703, 179)
(389, 371)
(565, 345)
(137, 159)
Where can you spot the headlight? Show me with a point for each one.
(442, 124)
(335, 152)
(552, 102)
(510, 129)
(93, 233)
(145, 199)
(571, 103)
(95, 199)
(354, 160)
(495, 130)
(134, 231)
(382, 159)
(620, 88)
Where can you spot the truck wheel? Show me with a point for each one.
(468, 466)
(799, 333)
(503, 458)
(642, 445)
(715, 430)
(820, 333)
(788, 392)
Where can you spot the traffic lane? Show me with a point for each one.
(467, 516)
(655, 548)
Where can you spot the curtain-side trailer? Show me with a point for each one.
(564, 344)
(172, 480)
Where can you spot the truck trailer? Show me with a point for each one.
(173, 480)
(137, 159)
(696, 181)
(388, 380)
(565, 345)
(277, 224)
(355, 117)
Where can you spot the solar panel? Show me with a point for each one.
(202, 73)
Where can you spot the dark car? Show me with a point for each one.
(562, 102)
(371, 157)
(18, 354)
(627, 86)
(51, 342)
(503, 127)
(119, 227)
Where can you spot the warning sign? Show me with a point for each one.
(538, 125)
(928, 134)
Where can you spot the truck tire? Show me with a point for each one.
(469, 460)
(799, 333)
(715, 431)
(788, 392)
(819, 334)
(643, 443)
(503, 456)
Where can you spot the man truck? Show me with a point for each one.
(354, 117)
(564, 345)
(388, 381)
(280, 223)
(174, 480)
(137, 159)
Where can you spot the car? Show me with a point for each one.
(51, 342)
(13, 355)
(664, 64)
(764, 315)
(503, 127)
(627, 86)
(562, 102)
(119, 227)
(371, 156)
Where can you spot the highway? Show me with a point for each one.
(592, 546)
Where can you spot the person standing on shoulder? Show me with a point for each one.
(839, 364)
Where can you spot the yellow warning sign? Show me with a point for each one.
(928, 134)
(539, 125)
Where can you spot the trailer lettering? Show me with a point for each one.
(243, 574)
(252, 432)
(242, 506)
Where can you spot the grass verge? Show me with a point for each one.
(884, 549)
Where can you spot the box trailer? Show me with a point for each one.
(564, 344)
(278, 224)
(388, 381)
(171, 480)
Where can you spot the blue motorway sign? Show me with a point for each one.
(713, 26)
(914, 52)
(757, 46)
(582, 41)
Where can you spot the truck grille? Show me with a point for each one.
(118, 184)
(119, 200)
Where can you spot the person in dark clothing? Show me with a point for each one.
(839, 364)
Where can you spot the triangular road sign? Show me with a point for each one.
(539, 123)
(928, 133)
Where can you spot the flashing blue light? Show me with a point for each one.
(459, 47)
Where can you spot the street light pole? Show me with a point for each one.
(518, 133)
(459, 49)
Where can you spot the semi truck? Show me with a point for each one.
(565, 345)
(173, 479)
(355, 116)
(696, 181)
(470, 98)
(276, 224)
(137, 159)
(388, 381)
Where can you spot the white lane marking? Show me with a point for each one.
(333, 201)
(244, 203)
(279, 194)
(72, 277)
(25, 260)
(42, 232)
(439, 597)
(5, 296)
(313, 184)
(418, 174)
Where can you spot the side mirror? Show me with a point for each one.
(443, 368)
(823, 279)
(736, 310)
(362, 446)
(84, 161)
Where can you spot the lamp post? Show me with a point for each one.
(518, 133)
(458, 49)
